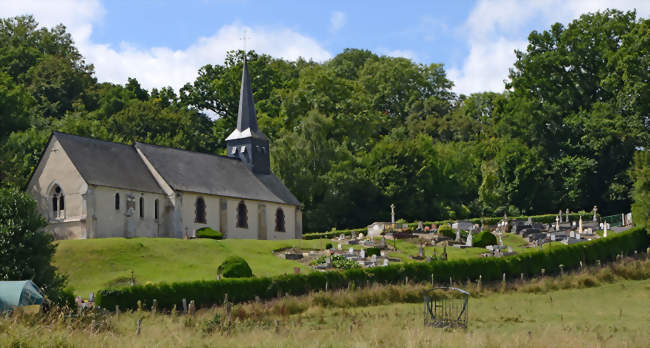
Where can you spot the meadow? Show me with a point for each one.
(595, 307)
(96, 264)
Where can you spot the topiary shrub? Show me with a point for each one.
(373, 251)
(235, 267)
(207, 232)
(328, 246)
(484, 239)
(447, 231)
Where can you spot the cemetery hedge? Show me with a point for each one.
(207, 293)
(545, 218)
(484, 239)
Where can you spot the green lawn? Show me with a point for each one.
(95, 264)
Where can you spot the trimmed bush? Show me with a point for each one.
(373, 251)
(207, 293)
(328, 246)
(235, 267)
(207, 232)
(484, 239)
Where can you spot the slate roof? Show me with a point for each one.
(215, 175)
(106, 163)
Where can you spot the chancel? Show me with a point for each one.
(89, 188)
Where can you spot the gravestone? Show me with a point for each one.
(363, 253)
(469, 241)
(552, 237)
(339, 247)
(421, 251)
(328, 260)
(351, 251)
(373, 258)
(457, 235)
(605, 225)
(341, 236)
(572, 234)
(420, 226)
(557, 222)
(566, 216)
(595, 218)
(580, 224)
(386, 262)
(578, 235)
(559, 215)
(382, 253)
(360, 236)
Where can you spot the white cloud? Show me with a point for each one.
(337, 21)
(160, 66)
(400, 53)
(495, 28)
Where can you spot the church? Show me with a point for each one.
(89, 188)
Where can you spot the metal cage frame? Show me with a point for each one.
(446, 312)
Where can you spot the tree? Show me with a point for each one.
(640, 172)
(26, 250)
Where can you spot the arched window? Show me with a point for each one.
(141, 207)
(279, 220)
(199, 212)
(242, 215)
(58, 202)
(117, 201)
(155, 209)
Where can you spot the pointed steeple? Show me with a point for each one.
(246, 142)
(246, 117)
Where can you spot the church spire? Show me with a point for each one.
(246, 117)
(246, 142)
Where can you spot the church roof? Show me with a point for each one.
(106, 163)
(215, 175)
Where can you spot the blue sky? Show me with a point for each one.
(163, 43)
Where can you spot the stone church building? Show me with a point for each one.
(89, 188)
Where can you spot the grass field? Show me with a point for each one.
(614, 313)
(95, 264)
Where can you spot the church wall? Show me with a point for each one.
(235, 232)
(289, 221)
(111, 222)
(56, 167)
(189, 212)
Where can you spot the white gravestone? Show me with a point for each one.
(578, 235)
(572, 234)
(605, 225)
(595, 218)
(385, 262)
(469, 241)
(457, 235)
(351, 250)
(363, 254)
(339, 247)
(580, 225)
(552, 237)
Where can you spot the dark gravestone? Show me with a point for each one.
(295, 256)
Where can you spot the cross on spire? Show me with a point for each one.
(244, 38)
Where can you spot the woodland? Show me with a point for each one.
(351, 135)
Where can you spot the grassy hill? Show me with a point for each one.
(96, 264)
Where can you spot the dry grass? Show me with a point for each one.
(597, 307)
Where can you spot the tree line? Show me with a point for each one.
(351, 135)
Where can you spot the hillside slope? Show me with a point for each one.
(95, 264)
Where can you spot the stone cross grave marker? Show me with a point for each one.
(392, 214)
(595, 218)
(567, 215)
(557, 222)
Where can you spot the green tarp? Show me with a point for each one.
(19, 293)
